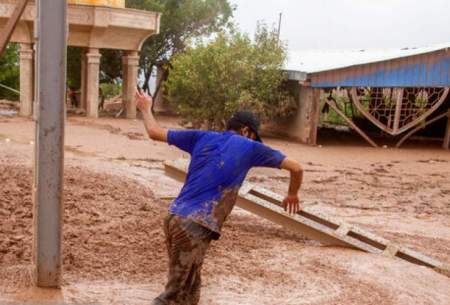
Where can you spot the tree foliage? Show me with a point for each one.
(9, 71)
(181, 21)
(74, 67)
(110, 66)
(210, 81)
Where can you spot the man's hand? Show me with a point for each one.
(291, 204)
(143, 101)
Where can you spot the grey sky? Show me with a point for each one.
(350, 24)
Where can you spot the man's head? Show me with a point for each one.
(246, 124)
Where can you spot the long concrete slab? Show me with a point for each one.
(314, 225)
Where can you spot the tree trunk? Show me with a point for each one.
(159, 85)
(148, 75)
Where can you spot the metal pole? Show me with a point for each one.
(279, 27)
(446, 144)
(50, 77)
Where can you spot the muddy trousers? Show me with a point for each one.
(186, 245)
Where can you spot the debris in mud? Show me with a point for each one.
(135, 136)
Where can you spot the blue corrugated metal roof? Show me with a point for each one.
(313, 61)
(422, 70)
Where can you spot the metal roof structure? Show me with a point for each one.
(415, 67)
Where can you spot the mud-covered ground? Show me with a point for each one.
(116, 196)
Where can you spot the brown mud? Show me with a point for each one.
(114, 249)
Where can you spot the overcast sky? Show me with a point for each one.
(350, 24)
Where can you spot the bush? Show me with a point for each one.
(9, 72)
(210, 81)
(110, 90)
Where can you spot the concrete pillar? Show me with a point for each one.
(315, 116)
(26, 79)
(307, 119)
(303, 124)
(83, 96)
(130, 73)
(92, 82)
(446, 144)
(49, 150)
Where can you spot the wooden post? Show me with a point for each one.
(49, 151)
(5, 36)
(447, 133)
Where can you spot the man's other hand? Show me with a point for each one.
(143, 101)
(291, 204)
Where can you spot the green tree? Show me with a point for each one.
(110, 66)
(210, 81)
(9, 72)
(182, 20)
(74, 67)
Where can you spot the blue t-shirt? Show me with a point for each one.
(219, 163)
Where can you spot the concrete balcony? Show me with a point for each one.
(107, 24)
(93, 25)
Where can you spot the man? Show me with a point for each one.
(219, 163)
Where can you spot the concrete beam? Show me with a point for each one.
(312, 224)
(91, 26)
(49, 150)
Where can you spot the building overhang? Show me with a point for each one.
(91, 26)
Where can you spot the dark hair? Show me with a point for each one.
(234, 124)
(243, 119)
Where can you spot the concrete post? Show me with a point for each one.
(92, 82)
(83, 86)
(49, 150)
(305, 115)
(301, 126)
(446, 144)
(315, 116)
(26, 79)
(131, 66)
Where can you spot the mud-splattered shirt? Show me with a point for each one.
(219, 163)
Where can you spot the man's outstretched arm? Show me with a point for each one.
(292, 202)
(144, 103)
